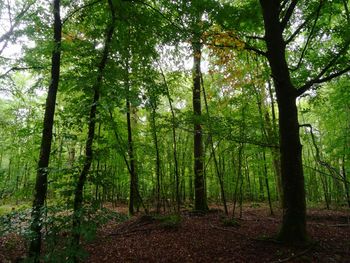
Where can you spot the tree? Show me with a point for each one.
(277, 17)
(78, 195)
(45, 148)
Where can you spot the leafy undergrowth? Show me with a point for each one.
(193, 237)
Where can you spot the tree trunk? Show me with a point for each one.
(219, 172)
(156, 145)
(273, 134)
(199, 185)
(345, 181)
(133, 175)
(267, 182)
(173, 126)
(78, 195)
(46, 140)
(293, 227)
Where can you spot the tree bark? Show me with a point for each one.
(199, 186)
(293, 229)
(46, 140)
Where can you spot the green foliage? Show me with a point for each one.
(57, 226)
(148, 64)
(230, 222)
(169, 221)
(14, 222)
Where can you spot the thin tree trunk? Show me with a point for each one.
(345, 181)
(46, 140)
(217, 167)
(239, 176)
(155, 139)
(267, 183)
(78, 195)
(133, 175)
(273, 134)
(173, 126)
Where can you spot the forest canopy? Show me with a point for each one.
(172, 105)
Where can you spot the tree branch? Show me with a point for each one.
(17, 69)
(246, 47)
(79, 9)
(158, 12)
(309, 36)
(16, 22)
(288, 14)
(318, 79)
(330, 168)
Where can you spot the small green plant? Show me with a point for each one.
(255, 205)
(169, 221)
(231, 222)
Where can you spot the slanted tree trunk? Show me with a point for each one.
(46, 140)
(78, 194)
(199, 184)
(293, 227)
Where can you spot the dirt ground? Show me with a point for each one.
(206, 238)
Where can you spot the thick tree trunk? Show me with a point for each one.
(199, 185)
(46, 140)
(78, 195)
(293, 227)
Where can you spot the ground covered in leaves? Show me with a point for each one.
(212, 237)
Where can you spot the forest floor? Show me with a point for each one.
(208, 238)
(193, 237)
